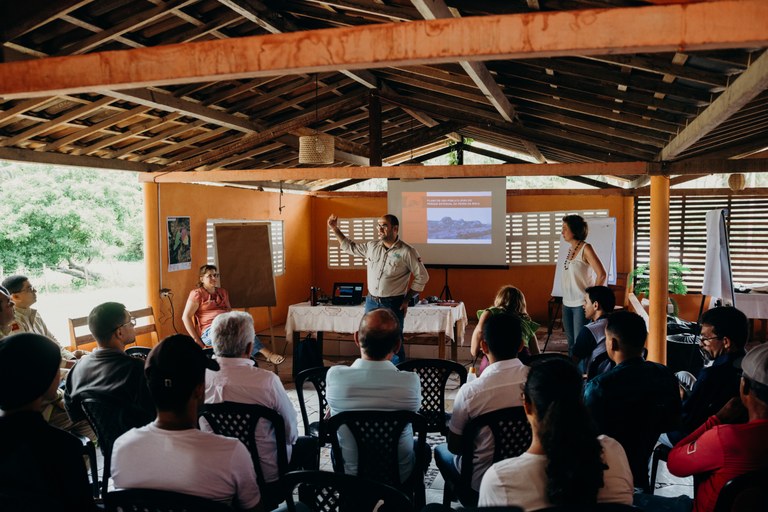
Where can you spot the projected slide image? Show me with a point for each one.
(459, 219)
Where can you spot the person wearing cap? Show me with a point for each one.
(240, 381)
(108, 370)
(731, 442)
(41, 467)
(170, 453)
(6, 312)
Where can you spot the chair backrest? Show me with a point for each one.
(109, 419)
(138, 352)
(317, 377)
(80, 335)
(237, 420)
(323, 491)
(434, 375)
(377, 434)
(746, 492)
(597, 507)
(151, 500)
(511, 434)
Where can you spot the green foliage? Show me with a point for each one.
(453, 156)
(676, 285)
(53, 215)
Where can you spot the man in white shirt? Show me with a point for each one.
(170, 453)
(240, 381)
(498, 387)
(374, 383)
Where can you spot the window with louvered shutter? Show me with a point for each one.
(359, 230)
(747, 229)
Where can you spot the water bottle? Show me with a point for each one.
(472, 375)
(313, 296)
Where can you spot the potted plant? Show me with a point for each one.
(677, 286)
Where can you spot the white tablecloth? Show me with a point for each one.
(754, 305)
(346, 319)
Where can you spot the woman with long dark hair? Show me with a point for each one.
(567, 462)
(206, 302)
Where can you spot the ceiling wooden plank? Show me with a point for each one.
(40, 157)
(715, 166)
(19, 17)
(747, 86)
(701, 26)
(79, 134)
(430, 171)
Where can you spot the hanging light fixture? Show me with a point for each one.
(316, 148)
(737, 182)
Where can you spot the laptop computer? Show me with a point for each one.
(347, 294)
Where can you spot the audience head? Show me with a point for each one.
(208, 274)
(379, 334)
(754, 368)
(112, 325)
(625, 333)
(560, 420)
(511, 299)
(598, 300)
(723, 329)
(502, 336)
(6, 307)
(577, 226)
(232, 334)
(29, 370)
(175, 370)
(22, 292)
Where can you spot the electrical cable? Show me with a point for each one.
(169, 296)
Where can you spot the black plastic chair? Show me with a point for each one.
(745, 493)
(151, 500)
(597, 507)
(138, 352)
(237, 420)
(434, 375)
(511, 435)
(439, 507)
(317, 377)
(377, 434)
(109, 419)
(89, 450)
(323, 491)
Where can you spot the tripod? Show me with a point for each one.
(445, 294)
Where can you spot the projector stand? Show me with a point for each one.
(445, 294)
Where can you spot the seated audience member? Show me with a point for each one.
(508, 300)
(171, 454)
(108, 370)
(724, 332)
(372, 382)
(589, 348)
(240, 381)
(27, 319)
(635, 401)
(497, 388)
(6, 312)
(725, 446)
(567, 462)
(41, 467)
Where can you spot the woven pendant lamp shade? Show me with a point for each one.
(316, 149)
(737, 182)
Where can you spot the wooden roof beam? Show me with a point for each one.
(700, 26)
(18, 18)
(744, 89)
(41, 157)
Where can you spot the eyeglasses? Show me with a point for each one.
(31, 289)
(215, 275)
(131, 321)
(710, 338)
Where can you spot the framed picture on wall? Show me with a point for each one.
(179, 243)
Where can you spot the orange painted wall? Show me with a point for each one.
(200, 203)
(476, 288)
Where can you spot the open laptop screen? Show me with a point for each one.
(347, 294)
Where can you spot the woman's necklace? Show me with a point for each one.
(571, 254)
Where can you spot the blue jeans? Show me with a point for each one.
(573, 321)
(206, 337)
(446, 463)
(393, 304)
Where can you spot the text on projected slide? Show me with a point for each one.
(448, 217)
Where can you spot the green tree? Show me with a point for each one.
(64, 218)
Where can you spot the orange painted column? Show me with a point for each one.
(152, 246)
(659, 270)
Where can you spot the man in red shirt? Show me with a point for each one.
(725, 446)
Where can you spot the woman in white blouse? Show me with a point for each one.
(567, 462)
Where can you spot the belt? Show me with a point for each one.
(379, 299)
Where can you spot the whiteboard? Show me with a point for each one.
(602, 237)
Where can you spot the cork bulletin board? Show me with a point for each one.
(244, 256)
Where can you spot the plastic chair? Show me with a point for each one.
(511, 437)
(377, 434)
(89, 450)
(151, 500)
(434, 375)
(109, 419)
(323, 491)
(597, 507)
(661, 452)
(745, 493)
(317, 377)
(237, 420)
(138, 352)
